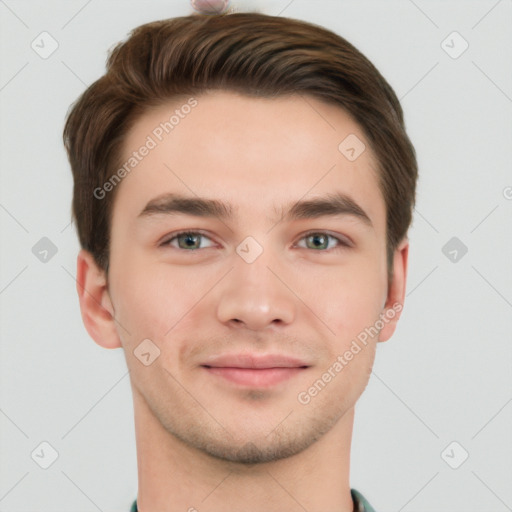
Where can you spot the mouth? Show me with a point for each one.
(255, 371)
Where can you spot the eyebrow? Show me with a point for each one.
(335, 204)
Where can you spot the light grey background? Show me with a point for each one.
(445, 375)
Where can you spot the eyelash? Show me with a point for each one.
(342, 244)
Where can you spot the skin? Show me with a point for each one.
(202, 441)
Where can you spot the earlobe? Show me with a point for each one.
(396, 291)
(95, 303)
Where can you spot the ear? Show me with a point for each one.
(396, 291)
(95, 304)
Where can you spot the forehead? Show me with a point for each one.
(255, 153)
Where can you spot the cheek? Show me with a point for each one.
(347, 298)
(153, 300)
(145, 304)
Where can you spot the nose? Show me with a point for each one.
(255, 297)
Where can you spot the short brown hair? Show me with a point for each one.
(250, 53)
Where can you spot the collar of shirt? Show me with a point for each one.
(360, 503)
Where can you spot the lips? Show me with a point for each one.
(254, 370)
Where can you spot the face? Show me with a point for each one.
(251, 253)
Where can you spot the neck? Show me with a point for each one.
(173, 476)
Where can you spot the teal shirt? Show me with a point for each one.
(360, 503)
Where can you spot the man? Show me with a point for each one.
(243, 187)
